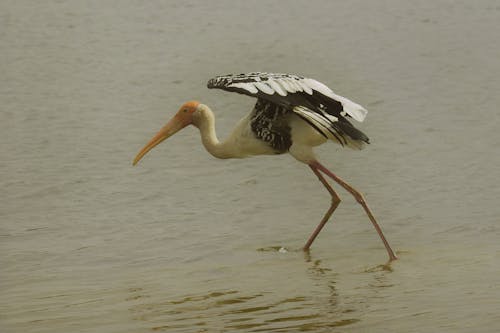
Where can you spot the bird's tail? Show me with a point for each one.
(353, 137)
(337, 129)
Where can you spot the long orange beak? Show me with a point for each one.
(172, 127)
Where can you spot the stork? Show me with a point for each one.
(292, 115)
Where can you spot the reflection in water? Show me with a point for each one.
(237, 310)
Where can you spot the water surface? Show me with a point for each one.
(187, 243)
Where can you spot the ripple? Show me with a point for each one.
(238, 311)
(279, 249)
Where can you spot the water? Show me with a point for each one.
(187, 243)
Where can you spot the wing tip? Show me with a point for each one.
(354, 110)
(211, 83)
(360, 113)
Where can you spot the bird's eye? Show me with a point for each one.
(185, 110)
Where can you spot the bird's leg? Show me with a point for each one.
(333, 206)
(359, 198)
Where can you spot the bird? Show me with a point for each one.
(293, 114)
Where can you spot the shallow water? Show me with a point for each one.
(187, 243)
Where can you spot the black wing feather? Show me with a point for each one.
(291, 91)
(312, 101)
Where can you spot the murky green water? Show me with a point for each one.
(187, 243)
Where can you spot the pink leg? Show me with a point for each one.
(334, 205)
(359, 197)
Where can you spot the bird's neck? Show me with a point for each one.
(206, 124)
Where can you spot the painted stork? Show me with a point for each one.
(292, 115)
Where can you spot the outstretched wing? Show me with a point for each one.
(290, 91)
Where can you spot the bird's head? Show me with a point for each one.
(183, 117)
